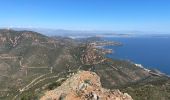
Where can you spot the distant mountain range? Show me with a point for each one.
(95, 33)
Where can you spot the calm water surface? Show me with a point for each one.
(151, 52)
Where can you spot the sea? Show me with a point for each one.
(153, 52)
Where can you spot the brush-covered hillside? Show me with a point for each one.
(32, 64)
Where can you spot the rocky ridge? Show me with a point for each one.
(84, 85)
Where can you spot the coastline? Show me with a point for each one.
(151, 71)
(144, 51)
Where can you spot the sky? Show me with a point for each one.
(110, 15)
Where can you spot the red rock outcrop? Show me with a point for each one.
(84, 85)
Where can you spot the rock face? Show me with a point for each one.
(90, 55)
(84, 85)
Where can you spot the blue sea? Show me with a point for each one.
(151, 52)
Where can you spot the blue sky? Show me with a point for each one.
(113, 15)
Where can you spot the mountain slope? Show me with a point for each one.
(31, 63)
(25, 55)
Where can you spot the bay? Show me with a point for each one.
(151, 52)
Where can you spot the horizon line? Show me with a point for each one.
(80, 30)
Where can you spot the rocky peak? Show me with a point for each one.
(90, 55)
(84, 85)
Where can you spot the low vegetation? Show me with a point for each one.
(31, 63)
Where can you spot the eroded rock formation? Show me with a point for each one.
(84, 85)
